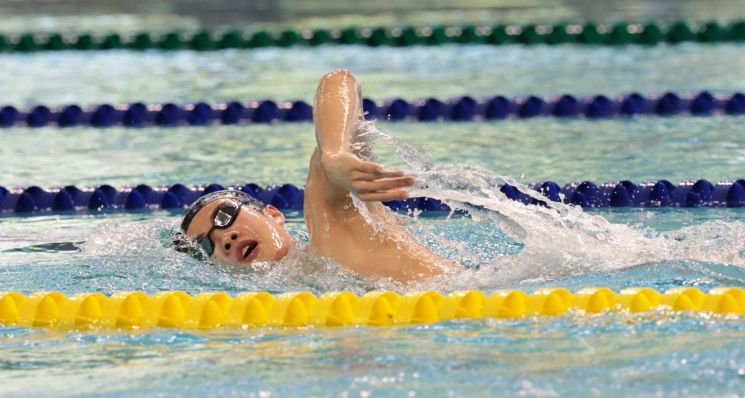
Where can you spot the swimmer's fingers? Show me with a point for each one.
(373, 171)
(383, 184)
(396, 194)
(361, 176)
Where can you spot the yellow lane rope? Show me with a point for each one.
(176, 309)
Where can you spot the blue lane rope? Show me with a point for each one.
(425, 110)
(288, 197)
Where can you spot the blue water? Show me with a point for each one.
(656, 354)
(633, 356)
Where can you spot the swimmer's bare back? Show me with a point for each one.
(336, 227)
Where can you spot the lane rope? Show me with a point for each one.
(176, 309)
(620, 33)
(460, 109)
(288, 197)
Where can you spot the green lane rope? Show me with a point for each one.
(621, 33)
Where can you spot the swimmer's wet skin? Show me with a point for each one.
(375, 245)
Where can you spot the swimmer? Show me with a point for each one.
(233, 227)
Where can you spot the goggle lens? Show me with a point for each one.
(224, 218)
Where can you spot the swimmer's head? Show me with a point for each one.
(233, 227)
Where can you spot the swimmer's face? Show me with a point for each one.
(255, 234)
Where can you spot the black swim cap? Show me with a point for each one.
(198, 204)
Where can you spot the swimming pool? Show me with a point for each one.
(647, 354)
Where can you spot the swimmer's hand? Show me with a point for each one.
(367, 180)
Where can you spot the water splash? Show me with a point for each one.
(558, 240)
(139, 256)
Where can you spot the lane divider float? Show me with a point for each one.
(176, 309)
(461, 109)
(620, 33)
(288, 197)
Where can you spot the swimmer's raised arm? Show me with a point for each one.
(337, 112)
(365, 238)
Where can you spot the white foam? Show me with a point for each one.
(559, 240)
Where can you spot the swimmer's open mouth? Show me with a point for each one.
(248, 251)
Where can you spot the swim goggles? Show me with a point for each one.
(224, 217)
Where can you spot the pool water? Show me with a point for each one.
(533, 150)
(408, 72)
(642, 355)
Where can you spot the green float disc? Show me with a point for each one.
(530, 35)
(438, 36)
(55, 42)
(651, 34)
(231, 39)
(84, 41)
(679, 32)
(289, 38)
(261, 38)
(499, 36)
(737, 31)
(559, 35)
(591, 35)
(319, 37)
(712, 32)
(350, 36)
(202, 41)
(380, 37)
(409, 37)
(142, 41)
(469, 35)
(620, 35)
(27, 43)
(171, 41)
(112, 41)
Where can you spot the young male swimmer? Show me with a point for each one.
(232, 227)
